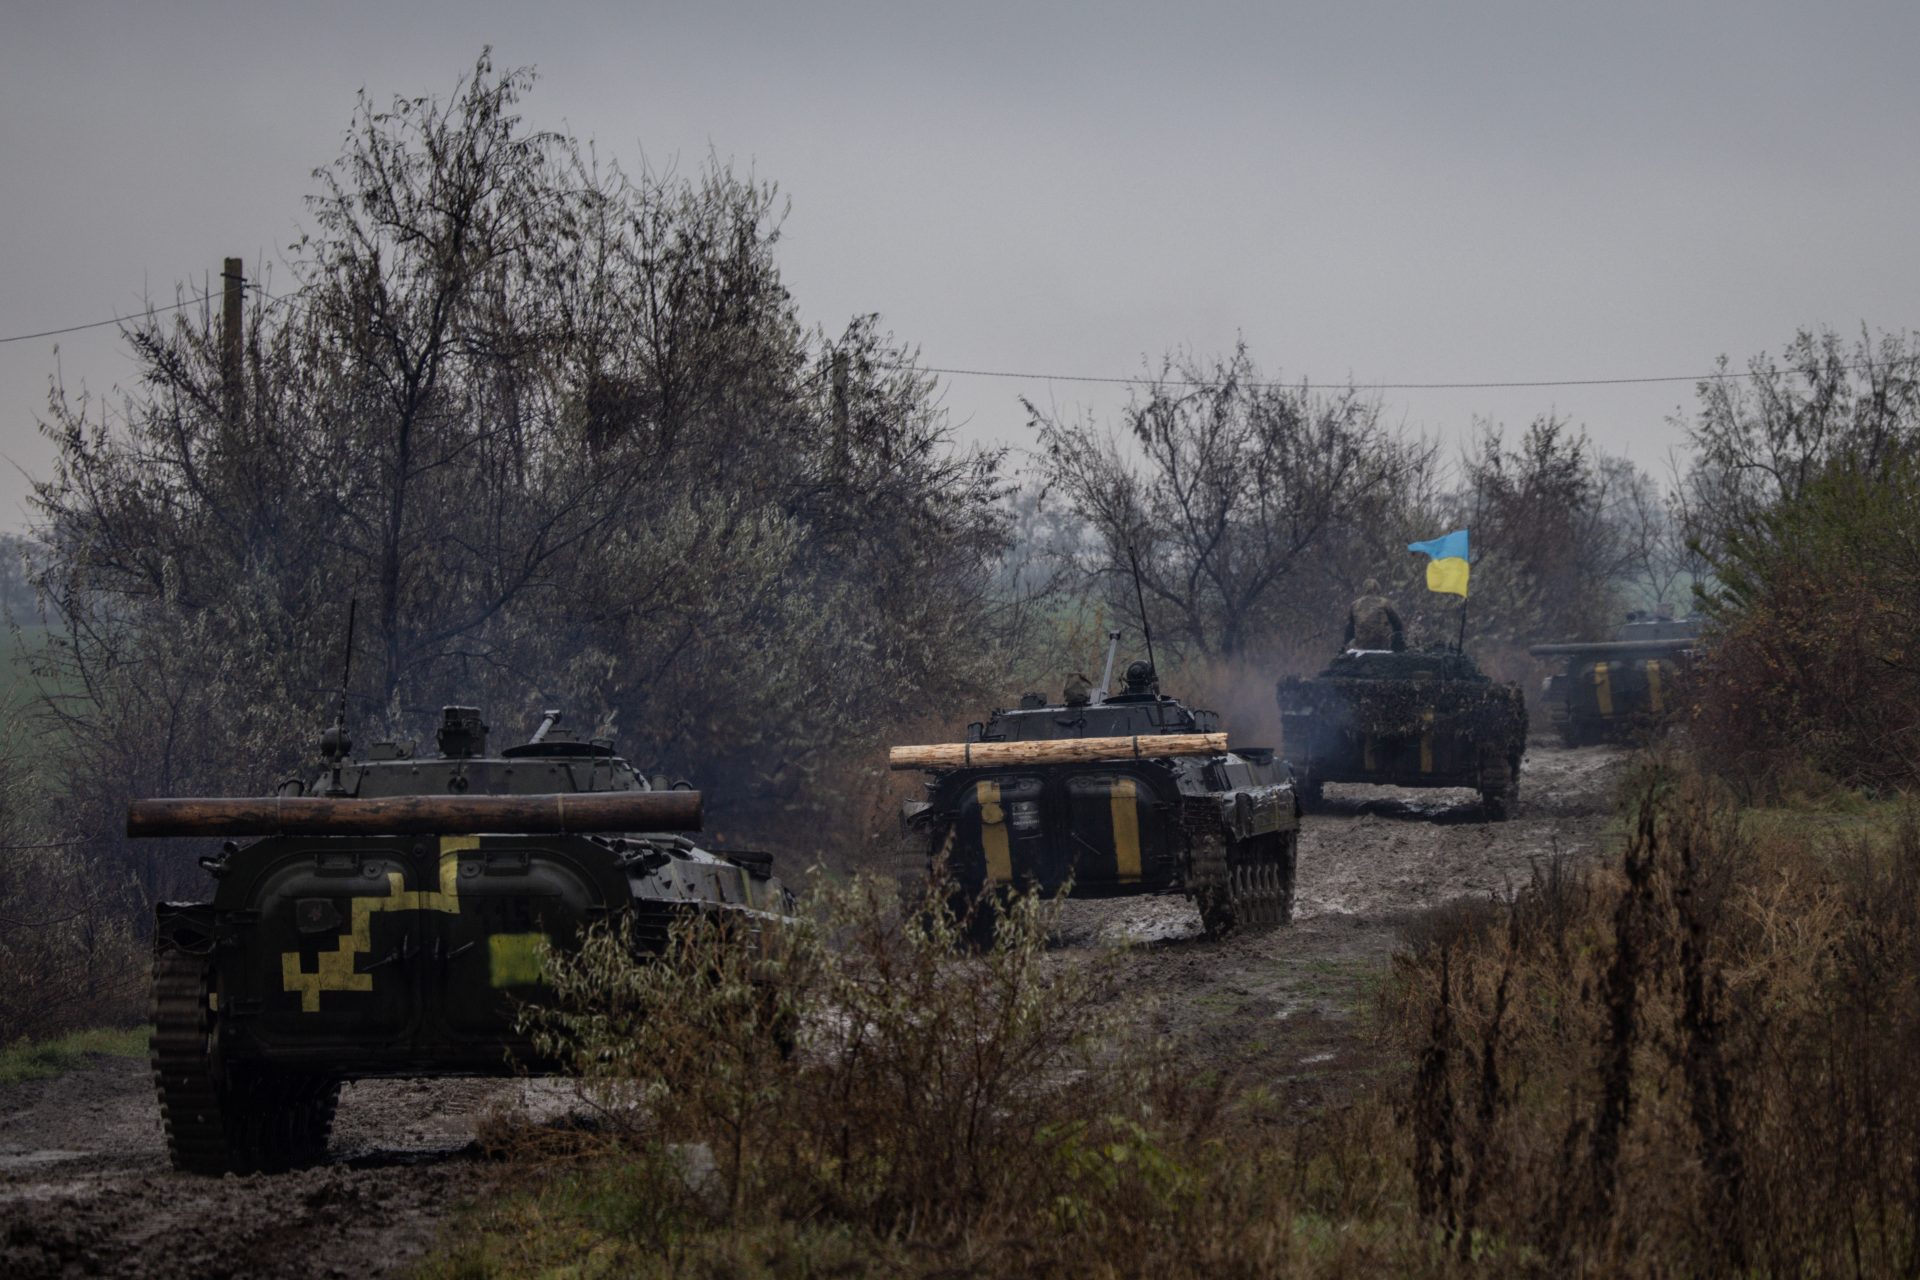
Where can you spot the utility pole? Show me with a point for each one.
(232, 370)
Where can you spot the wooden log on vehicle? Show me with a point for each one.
(981, 755)
(566, 814)
(1615, 648)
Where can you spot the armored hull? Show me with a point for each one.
(1414, 719)
(326, 957)
(1221, 827)
(1620, 689)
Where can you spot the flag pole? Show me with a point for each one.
(1460, 645)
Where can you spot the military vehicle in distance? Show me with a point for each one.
(1080, 796)
(392, 916)
(1618, 689)
(1414, 718)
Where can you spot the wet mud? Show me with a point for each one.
(85, 1188)
(1288, 1006)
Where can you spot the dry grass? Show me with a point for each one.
(1692, 1059)
(860, 1097)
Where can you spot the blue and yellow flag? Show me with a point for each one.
(1447, 562)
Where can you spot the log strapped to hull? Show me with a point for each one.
(563, 814)
(987, 755)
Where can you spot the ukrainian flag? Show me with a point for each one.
(1447, 562)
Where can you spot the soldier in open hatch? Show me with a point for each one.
(1372, 623)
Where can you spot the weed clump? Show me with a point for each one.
(862, 1094)
(1693, 1060)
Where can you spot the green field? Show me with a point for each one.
(20, 688)
(38, 1059)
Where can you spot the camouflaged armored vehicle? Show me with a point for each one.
(1417, 718)
(1619, 689)
(1036, 797)
(390, 918)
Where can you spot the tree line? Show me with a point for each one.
(557, 435)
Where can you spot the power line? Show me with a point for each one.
(1723, 375)
(150, 311)
(101, 324)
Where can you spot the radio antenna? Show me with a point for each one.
(1140, 595)
(346, 662)
(334, 743)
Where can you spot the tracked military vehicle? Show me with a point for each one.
(391, 914)
(1133, 793)
(1418, 718)
(1619, 689)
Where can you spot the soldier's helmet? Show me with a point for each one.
(1140, 677)
(1371, 587)
(1079, 690)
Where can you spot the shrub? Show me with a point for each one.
(862, 1096)
(1694, 1060)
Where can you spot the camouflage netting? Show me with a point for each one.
(1411, 664)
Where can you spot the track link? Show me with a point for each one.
(222, 1120)
(184, 1071)
(1245, 884)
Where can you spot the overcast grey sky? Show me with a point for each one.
(1407, 192)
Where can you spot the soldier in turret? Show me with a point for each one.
(1372, 623)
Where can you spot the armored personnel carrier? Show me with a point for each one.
(1418, 718)
(389, 917)
(1101, 795)
(1615, 690)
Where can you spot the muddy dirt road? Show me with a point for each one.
(85, 1188)
(1284, 1005)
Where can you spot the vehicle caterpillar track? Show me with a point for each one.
(1105, 795)
(394, 917)
(1238, 885)
(248, 1120)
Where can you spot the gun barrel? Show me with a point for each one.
(601, 811)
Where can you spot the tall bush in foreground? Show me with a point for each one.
(1802, 495)
(1694, 1061)
(861, 1097)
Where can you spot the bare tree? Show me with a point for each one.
(1553, 547)
(1234, 492)
(1762, 439)
(563, 435)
